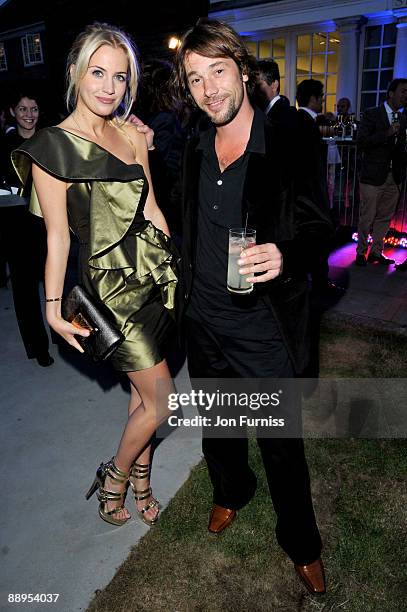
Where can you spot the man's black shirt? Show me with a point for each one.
(220, 208)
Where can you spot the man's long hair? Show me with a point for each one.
(210, 39)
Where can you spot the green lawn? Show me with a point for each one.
(360, 496)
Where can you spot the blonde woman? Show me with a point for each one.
(90, 173)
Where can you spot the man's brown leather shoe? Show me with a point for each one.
(220, 518)
(312, 576)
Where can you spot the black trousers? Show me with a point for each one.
(23, 240)
(212, 355)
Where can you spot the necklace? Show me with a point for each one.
(97, 139)
(77, 124)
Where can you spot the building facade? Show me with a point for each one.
(35, 37)
(354, 47)
(23, 53)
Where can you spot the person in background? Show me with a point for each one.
(311, 177)
(6, 123)
(23, 237)
(160, 111)
(343, 107)
(267, 95)
(381, 140)
(327, 121)
(3, 130)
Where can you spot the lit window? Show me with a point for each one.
(317, 58)
(251, 46)
(3, 59)
(270, 49)
(32, 50)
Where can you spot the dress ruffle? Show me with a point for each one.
(151, 252)
(115, 242)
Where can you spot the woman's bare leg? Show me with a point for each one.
(136, 403)
(147, 409)
(144, 458)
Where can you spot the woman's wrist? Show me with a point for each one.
(53, 312)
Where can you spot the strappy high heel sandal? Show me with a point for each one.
(110, 470)
(141, 472)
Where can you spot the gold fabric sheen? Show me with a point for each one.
(124, 260)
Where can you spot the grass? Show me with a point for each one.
(349, 350)
(360, 497)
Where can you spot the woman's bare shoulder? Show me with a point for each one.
(137, 137)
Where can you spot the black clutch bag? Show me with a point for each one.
(81, 310)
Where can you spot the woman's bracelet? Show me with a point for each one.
(53, 299)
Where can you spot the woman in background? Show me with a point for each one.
(22, 236)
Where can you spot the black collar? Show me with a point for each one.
(256, 143)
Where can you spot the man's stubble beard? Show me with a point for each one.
(230, 113)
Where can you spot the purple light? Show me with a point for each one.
(391, 241)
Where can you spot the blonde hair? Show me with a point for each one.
(85, 45)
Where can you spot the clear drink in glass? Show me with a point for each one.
(240, 238)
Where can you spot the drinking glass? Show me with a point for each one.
(240, 238)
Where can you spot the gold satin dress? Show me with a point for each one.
(123, 259)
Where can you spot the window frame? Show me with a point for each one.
(4, 58)
(25, 47)
(379, 93)
(326, 52)
(276, 58)
(290, 36)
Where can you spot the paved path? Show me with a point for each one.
(58, 423)
(376, 293)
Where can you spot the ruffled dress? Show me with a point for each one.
(126, 262)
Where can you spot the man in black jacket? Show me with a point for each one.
(382, 140)
(311, 176)
(267, 96)
(311, 155)
(234, 175)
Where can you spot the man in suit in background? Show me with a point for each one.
(267, 95)
(310, 176)
(382, 140)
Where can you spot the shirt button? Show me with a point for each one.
(219, 182)
(215, 207)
